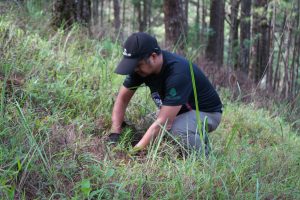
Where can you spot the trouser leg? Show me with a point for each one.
(185, 128)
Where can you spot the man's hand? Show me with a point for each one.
(119, 108)
(136, 151)
(113, 138)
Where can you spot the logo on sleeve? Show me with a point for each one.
(173, 94)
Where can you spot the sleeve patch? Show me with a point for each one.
(172, 94)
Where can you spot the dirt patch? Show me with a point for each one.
(15, 79)
(4, 7)
(101, 125)
(65, 137)
(70, 137)
(13, 83)
(96, 147)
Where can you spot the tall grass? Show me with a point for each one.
(51, 139)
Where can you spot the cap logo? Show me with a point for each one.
(125, 53)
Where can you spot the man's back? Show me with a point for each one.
(173, 85)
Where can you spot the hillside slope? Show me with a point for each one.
(57, 92)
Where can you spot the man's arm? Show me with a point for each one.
(166, 114)
(120, 106)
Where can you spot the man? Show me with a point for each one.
(169, 78)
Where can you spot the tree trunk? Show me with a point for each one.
(293, 73)
(124, 13)
(149, 14)
(145, 15)
(272, 38)
(215, 47)
(203, 35)
(133, 19)
(79, 5)
(233, 39)
(286, 79)
(297, 85)
(277, 75)
(109, 11)
(117, 21)
(137, 6)
(175, 24)
(86, 12)
(186, 15)
(296, 47)
(95, 12)
(197, 22)
(260, 49)
(245, 34)
(102, 13)
(64, 13)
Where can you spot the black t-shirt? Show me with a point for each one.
(173, 86)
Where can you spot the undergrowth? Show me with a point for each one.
(57, 93)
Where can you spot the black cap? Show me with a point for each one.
(136, 47)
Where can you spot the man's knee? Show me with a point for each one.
(213, 120)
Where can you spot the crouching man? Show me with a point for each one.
(169, 78)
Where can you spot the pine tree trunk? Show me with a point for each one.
(186, 15)
(286, 78)
(295, 28)
(64, 13)
(175, 24)
(124, 13)
(277, 75)
(147, 14)
(146, 8)
(293, 73)
(109, 11)
(117, 20)
(197, 22)
(102, 13)
(272, 38)
(67, 12)
(203, 35)
(215, 47)
(86, 12)
(245, 35)
(233, 39)
(95, 12)
(297, 85)
(260, 49)
(138, 8)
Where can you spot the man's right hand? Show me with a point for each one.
(119, 108)
(113, 138)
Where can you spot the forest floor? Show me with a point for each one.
(57, 93)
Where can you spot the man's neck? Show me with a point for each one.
(161, 61)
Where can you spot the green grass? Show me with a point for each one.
(52, 125)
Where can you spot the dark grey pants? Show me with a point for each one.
(185, 127)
